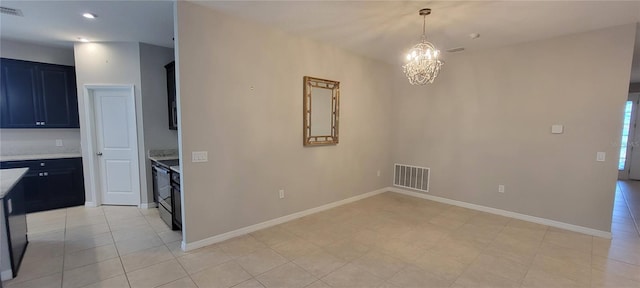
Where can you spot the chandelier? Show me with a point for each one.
(423, 63)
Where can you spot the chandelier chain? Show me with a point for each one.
(424, 24)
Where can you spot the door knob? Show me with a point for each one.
(99, 153)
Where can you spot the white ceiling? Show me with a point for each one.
(383, 29)
(379, 29)
(60, 23)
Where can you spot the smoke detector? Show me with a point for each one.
(11, 11)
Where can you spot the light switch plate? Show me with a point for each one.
(557, 129)
(600, 156)
(199, 156)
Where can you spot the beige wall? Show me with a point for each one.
(35, 52)
(108, 63)
(487, 119)
(143, 66)
(241, 100)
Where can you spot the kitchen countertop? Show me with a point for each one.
(162, 158)
(39, 156)
(9, 178)
(159, 159)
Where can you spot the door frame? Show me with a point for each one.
(624, 174)
(94, 174)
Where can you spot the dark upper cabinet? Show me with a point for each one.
(37, 95)
(19, 101)
(59, 102)
(171, 92)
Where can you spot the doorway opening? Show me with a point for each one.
(113, 144)
(625, 135)
(629, 157)
(626, 208)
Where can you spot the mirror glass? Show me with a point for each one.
(321, 111)
(321, 107)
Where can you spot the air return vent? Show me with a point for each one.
(457, 49)
(11, 11)
(412, 177)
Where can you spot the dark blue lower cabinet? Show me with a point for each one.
(51, 183)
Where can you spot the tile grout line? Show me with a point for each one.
(591, 268)
(476, 258)
(49, 274)
(546, 231)
(466, 265)
(626, 202)
(172, 255)
(126, 277)
(64, 245)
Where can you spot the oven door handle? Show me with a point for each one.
(161, 170)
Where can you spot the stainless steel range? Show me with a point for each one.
(162, 190)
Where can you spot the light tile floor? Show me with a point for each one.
(389, 240)
(631, 195)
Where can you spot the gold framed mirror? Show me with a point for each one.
(321, 110)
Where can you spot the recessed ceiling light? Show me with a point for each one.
(84, 40)
(89, 15)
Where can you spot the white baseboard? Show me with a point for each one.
(90, 204)
(6, 275)
(524, 217)
(276, 221)
(148, 205)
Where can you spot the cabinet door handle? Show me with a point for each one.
(99, 153)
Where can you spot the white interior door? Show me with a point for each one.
(116, 145)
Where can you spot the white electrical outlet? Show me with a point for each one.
(378, 173)
(501, 188)
(199, 156)
(600, 156)
(59, 142)
(281, 193)
(557, 129)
